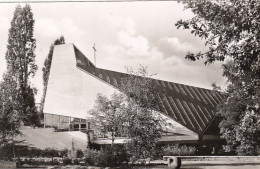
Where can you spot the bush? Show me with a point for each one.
(6, 152)
(63, 152)
(177, 150)
(119, 155)
(48, 152)
(76, 162)
(79, 154)
(96, 158)
(66, 161)
(107, 157)
(33, 162)
(26, 151)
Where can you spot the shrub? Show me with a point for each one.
(90, 156)
(26, 151)
(76, 162)
(66, 161)
(120, 156)
(79, 154)
(106, 157)
(63, 152)
(177, 150)
(36, 162)
(6, 152)
(97, 158)
(48, 152)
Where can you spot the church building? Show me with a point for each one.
(75, 81)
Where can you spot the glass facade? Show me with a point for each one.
(65, 123)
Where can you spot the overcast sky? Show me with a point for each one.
(126, 34)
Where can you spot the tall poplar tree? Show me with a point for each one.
(20, 59)
(47, 67)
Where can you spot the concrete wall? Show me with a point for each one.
(71, 92)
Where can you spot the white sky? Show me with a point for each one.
(126, 34)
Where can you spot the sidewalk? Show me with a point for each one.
(242, 162)
(216, 160)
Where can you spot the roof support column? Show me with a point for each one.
(200, 139)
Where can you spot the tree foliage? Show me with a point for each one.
(143, 122)
(10, 117)
(10, 98)
(231, 32)
(17, 103)
(20, 55)
(20, 59)
(108, 115)
(132, 113)
(47, 66)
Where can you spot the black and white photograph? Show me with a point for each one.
(127, 84)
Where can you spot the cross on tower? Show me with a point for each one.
(94, 54)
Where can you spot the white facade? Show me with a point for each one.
(70, 91)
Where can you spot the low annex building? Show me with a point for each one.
(75, 81)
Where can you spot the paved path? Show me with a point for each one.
(239, 164)
(254, 166)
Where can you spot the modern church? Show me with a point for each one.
(74, 83)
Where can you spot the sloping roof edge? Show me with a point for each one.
(190, 106)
